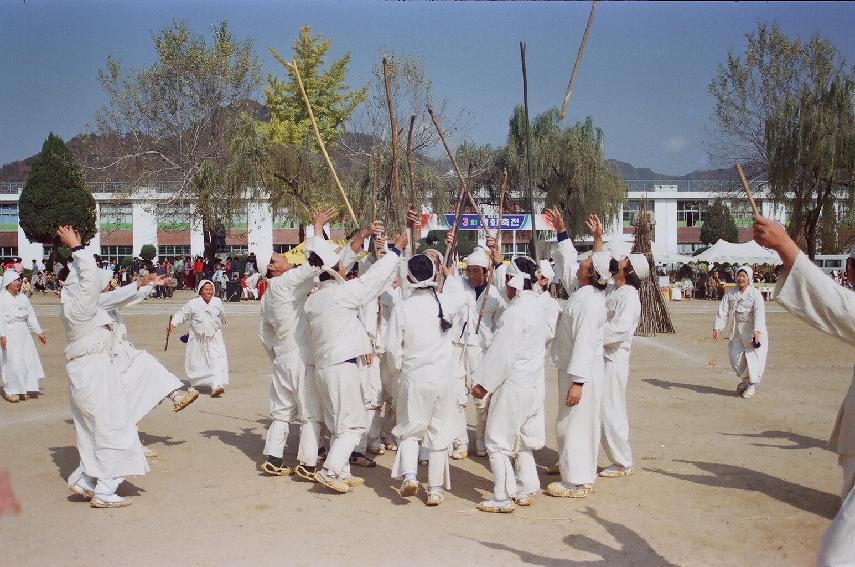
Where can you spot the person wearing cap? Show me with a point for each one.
(749, 341)
(512, 373)
(577, 352)
(19, 360)
(623, 311)
(205, 360)
(470, 343)
(283, 331)
(419, 346)
(806, 292)
(338, 341)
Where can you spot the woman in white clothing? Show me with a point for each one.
(19, 361)
(749, 341)
(205, 361)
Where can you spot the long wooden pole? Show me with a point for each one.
(412, 175)
(293, 67)
(484, 294)
(396, 185)
(457, 169)
(578, 61)
(747, 189)
(533, 242)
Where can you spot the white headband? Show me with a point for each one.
(601, 261)
(517, 276)
(640, 265)
(414, 281)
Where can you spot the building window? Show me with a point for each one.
(171, 251)
(8, 251)
(117, 216)
(116, 252)
(690, 213)
(520, 249)
(742, 213)
(234, 249)
(9, 217)
(240, 219)
(172, 216)
(282, 248)
(689, 248)
(630, 209)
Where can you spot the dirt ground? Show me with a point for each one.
(720, 480)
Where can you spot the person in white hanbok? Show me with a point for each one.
(338, 342)
(19, 361)
(623, 309)
(106, 434)
(809, 294)
(205, 360)
(749, 341)
(577, 353)
(284, 333)
(419, 345)
(512, 372)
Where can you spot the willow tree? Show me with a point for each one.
(173, 121)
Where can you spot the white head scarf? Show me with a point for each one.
(601, 261)
(518, 277)
(748, 271)
(546, 270)
(640, 265)
(202, 283)
(324, 249)
(478, 258)
(414, 281)
(9, 276)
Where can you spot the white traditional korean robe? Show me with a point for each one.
(512, 371)
(426, 401)
(623, 310)
(105, 431)
(338, 340)
(809, 294)
(284, 333)
(205, 360)
(19, 363)
(749, 314)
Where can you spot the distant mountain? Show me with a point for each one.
(628, 171)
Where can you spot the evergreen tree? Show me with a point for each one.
(148, 252)
(718, 224)
(55, 195)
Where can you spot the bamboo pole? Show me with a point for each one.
(396, 185)
(293, 67)
(578, 61)
(457, 169)
(747, 189)
(485, 293)
(412, 175)
(533, 242)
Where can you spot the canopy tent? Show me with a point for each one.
(746, 253)
(619, 248)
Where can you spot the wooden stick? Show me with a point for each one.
(747, 190)
(375, 173)
(412, 175)
(533, 242)
(457, 169)
(485, 293)
(168, 332)
(293, 66)
(578, 61)
(396, 185)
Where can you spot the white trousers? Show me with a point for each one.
(466, 360)
(406, 461)
(340, 392)
(514, 481)
(838, 543)
(578, 431)
(613, 410)
(292, 400)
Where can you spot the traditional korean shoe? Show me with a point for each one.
(749, 392)
(409, 487)
(149, 453)
(391, 446)
(109, 501)
(496, 506)
(561, 490)
(435, 497)
(275, 467)
(81, 487)
(218, 392)
(524, 500)
(332, 482)
(185, 399)
(424, 456)
(553, 469)
(305, 472)
(616, 471)
(740, 388)
(12, 399)
(377, 449)
(459, 454)
(360, 460)
(352, 481)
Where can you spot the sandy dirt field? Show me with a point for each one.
(720, 480)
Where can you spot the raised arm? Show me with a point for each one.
(566, 257)
(84, 305)
(368, 286)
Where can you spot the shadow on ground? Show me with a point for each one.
(796, 441)
(699, 388)
(67, 459)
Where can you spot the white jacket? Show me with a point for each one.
(282, 326)
(623, 312)
(578, 346)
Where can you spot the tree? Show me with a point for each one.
(54, 195)
(718, 224)
(148, 252)
(175, 118)
(785, 107)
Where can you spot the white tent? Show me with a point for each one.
(746, 253)
(619, 248)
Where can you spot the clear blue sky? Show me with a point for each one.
(643, 80)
